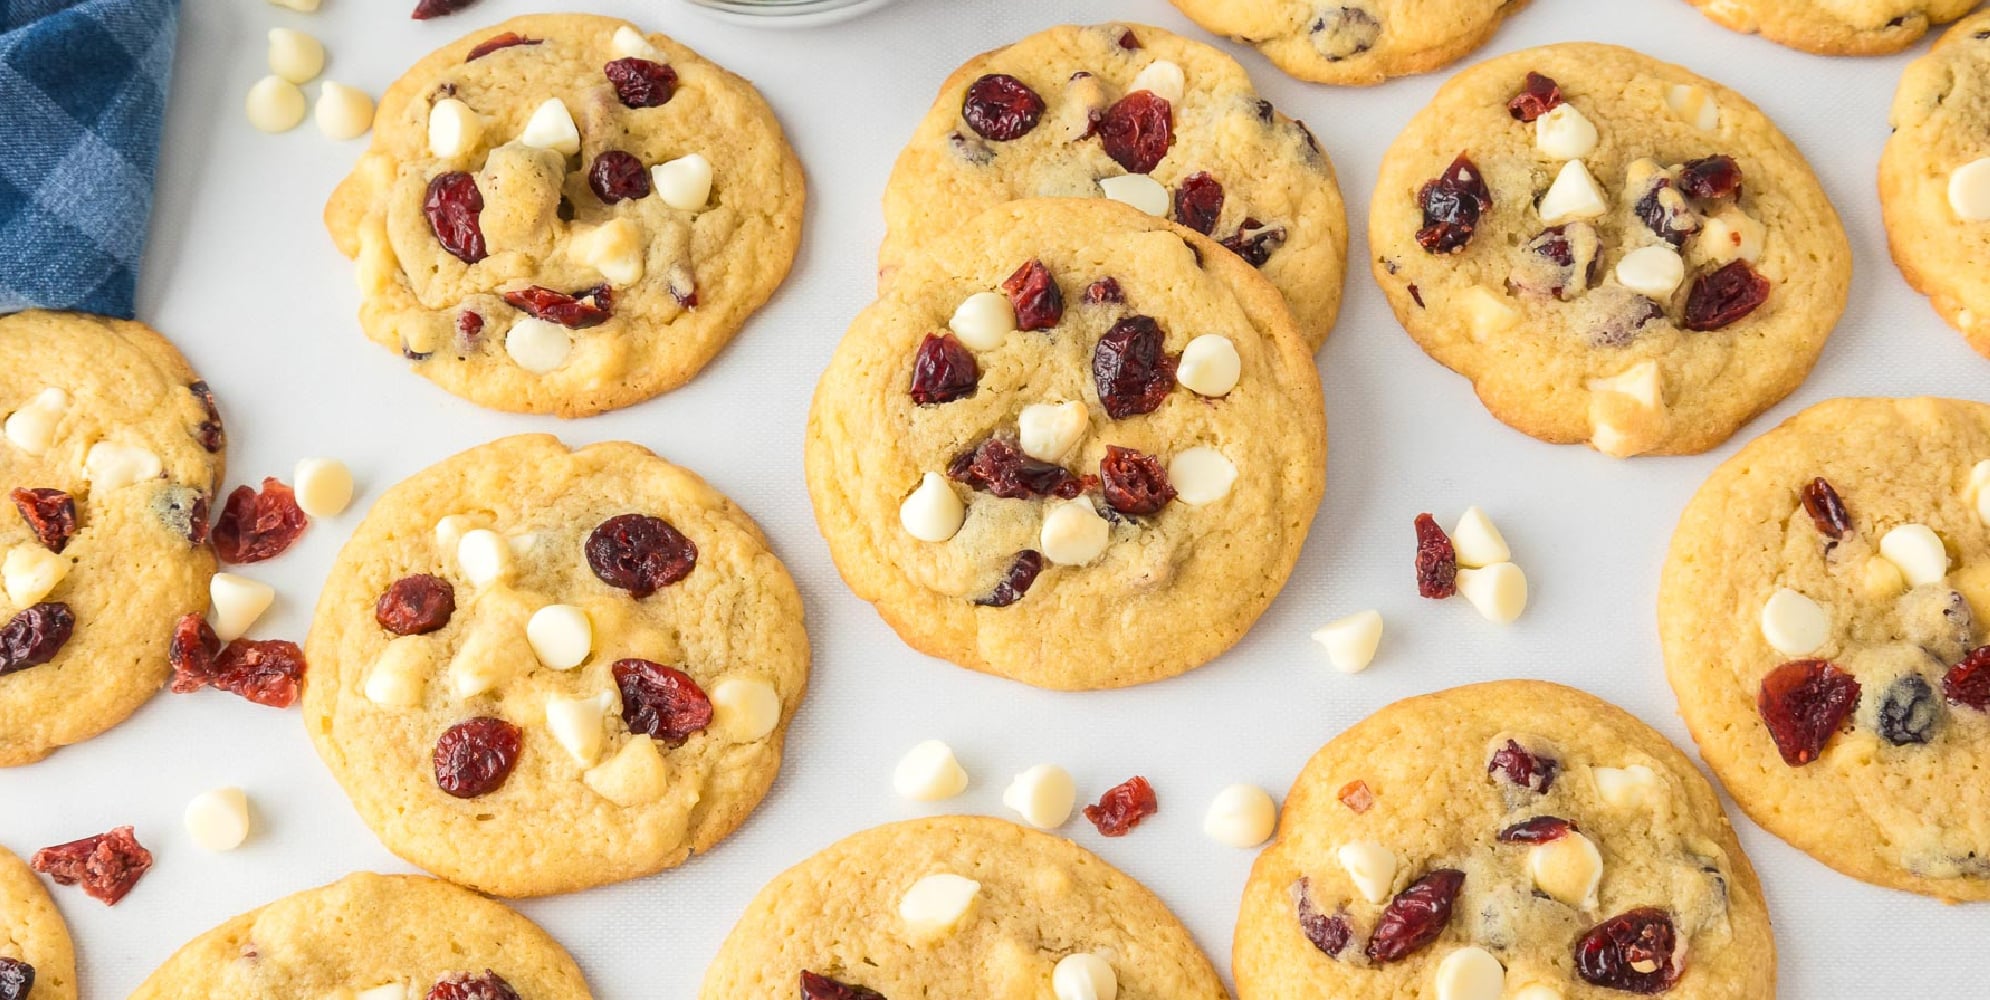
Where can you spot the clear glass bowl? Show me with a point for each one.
(787, 13)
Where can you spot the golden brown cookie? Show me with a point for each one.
(1355, 41)
(1836, 27)
(37, 960)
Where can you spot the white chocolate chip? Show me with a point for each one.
(1477, 541)
(488, 658)
(628, 43)
(218, 820)
(538, 346)
(1794, 624)
(400, 674)
(1627, 412)
(684, 183)
(324, 486)
(1162, 78)
(1568, 868)
(1978, 491)
(342, 112)
(1631, 787)
(1209, 366)
(1073, 533)
(237, 602)
(936, 905)
(114, 466)
(32, 427)
(1084, 976)
(1564, 134)
(1201, 475)
(1350, 642)
(449, 530)
(561, 635)
(1240, 816)
(1499, 591)
(552, 127)
(634, 776)
(1574, 195)
(30, 573)
(1537, 991)
(1470, 973)
(1139, 190)
(274, 104)
(484, 556)
(1653, 271)
(1044, 795)
(929, 772)
(1372, 867)
(1728, 235)
(1918, 551)
(453, 129)
(294, 55)
(746, 708)
(1969, 190)
(614, 248)
(1048, 431)
(982, 320)
(933, 512)
(576, 724)
(1694, 105)
(1487, 311)
(385, 991)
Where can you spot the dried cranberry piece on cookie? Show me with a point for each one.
(661, 702)
(815, 986)
(1724, 296)
(1968, 682)
(1452, 204)
(34, 635)
(1035, 297)
(1637, 951)
(50, 513)
(1826, 510)
(474, 757)
(1538, 95)
(1016, 580)
(1130, 368)
(492, 44)
(1199, 202)
(415, 605)
(640, 83)
(1138, 130)
(1134, 482)
(1523, 768)
(1803, 702)
(1329, 932)
(943, 370)
(1415, 917)
(618, 175)
(485, 985)
(1000, 107)
(452, 207)
(639, 553)
(16, 979)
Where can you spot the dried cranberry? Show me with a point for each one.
(1415, 917)
(1123, 806)
(1826, 511)
(819, 987)
(1329, 932)
(1968, 682)
(469, 329)
(107, 865)
(1016, 582)
(1452, 205)
(1129, 41)
(1034, 295)
(453, 206)
(1724, 296)
(51, 515)
(1711, 178)
(1436, 560)
(496, 42)
(191, 653)
(1132, 373)
(1357, 796)
(16, 979)
(1563, 261)
(943, 370)
(1623, 320)
(1636, 951)
(487, 985)
(1138, 130)
(258, 526)
(1255, 242)
(1103, 291)
(1803, 702)
(639, 553)
(1664, 211)
(1199, 202)
(209, 431)
(415, 605)
(641, 83)
(661, 702)
(425, 9)
(1539, 830)
(475, 756)
(1524, 768)
(998, 466)
(265, 671)
(1538, 96)
(618, 175)
(34, 635)
(1000, 107)
(1134, 482)
(586, 308)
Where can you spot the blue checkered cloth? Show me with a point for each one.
(82, 98)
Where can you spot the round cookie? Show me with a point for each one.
(850, 914)
(633, 201)
(536, 670)
(115, 449)
(1836, 27)
(984, 522)
(371, 937)
(1934, 178)
(1546, 830)
(34, 942)
(1657, 264)
(1829, 656)
(1360, 42)
(1074, 112)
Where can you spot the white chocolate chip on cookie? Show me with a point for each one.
(1371, 867)
(538, 346)
(746, 708)
(1918, 551)
(628, 43)
(552, 127)
(1654, 271)
(684, 183)
(634, 776)
(1162, 78)
(1793, 624)
(1630, 787)
(576, 724)
(1469, 973)
(1969, 190)
(936, 904)
(1139, 190)
(1074, 534)
(1694, 105)
(1048, 431)
(982, 320)
(453, 129)
(561, 636)
(614, 248)
(115, 466)
(32, 427)
(30, 572)
(1573, 196)
(484, 556)
(1627, 413)
(398, 678)
(933, 512)
(1488, 312)
(1201, 475)
(1209, 366)
(1564, 134)
(1084, 976)
(1568, 868)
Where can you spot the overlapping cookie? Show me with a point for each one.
(37, 960)
(1836, 27)
(536, 670)
(1355, 41)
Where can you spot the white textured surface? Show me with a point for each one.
(242, 275)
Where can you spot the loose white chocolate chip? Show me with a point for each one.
(295, 56)
(1240, 816)
(1372, 867)
(1163, 79)
(561, 635)
(1729, 235)
(237, 602)
(929, 772)
(1631, 787)
(628, 43)
(1209, 366)
(32, 427)
(453, 129)
(1487, 311)
(1499, 591)
(275, 104)
(1568, 868)
(1477, 541)
(1048, 431)
(1201, 475)
(484, 556)
(30, 573)
(1470, 973)
(1084, 976)
(982, 320)
(552, 127)
(576, 725)
(1564, 134)
(113, 466)
(218, 820)
(1969, 190)
(1653, 271)
(1794, 624)
(400, 674)
(933, 512)
(1918, 551)
(634, 776)
(1139, 190)
(1694, 105)
(1044, 795)
(324, 486)
(538, 346)
(1574, 195)
(684, 183)
(936, 905)
(1073, 533)
(746, 708)
(1350, 642)
(342, 112)
(614, 248)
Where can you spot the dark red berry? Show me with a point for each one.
(1803, 702)
(1199, 202)
(209, 431)
(578, 311)
(415, 605)
(1123, 806)
(258, 526)
(1539, 830)
(51, 515)
(486, 985)
(1104, 290)
(1357, 796)
(16, 979)
(1538, 96)
(1452, 205)
(819, 987)
(1826, 511)
(641, 83)
(1138, 130)
(1436, 560)
(1637, 951)
(1000, 107)
(660, 702)
(618, 175)
(1129, 41)
(1721, 297)
(475, 756)
(453, 207)
(1415, 917)
(1664, 211)
(1710, 178)
(107, 865)
(267, 671)
(944, 370)
(34, 635)
(1523, 768)
(1134, 482)
(469, 329)
(425, 9)
(1034, 294)
(191, 654)
(1130, 368)
(1329, 932)
(1016, 582)
(496, 42)
(639, 553)
(1968, 682)
(1255, 242)
(998, 466)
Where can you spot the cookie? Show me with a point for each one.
(1517, 839)
(536, 670)
(1612, 249)
(956, 906)
(1934, 178)
(562, 215)
(1071, 444)
(1822, 611)
(37, 960)
(111, 455)
(1132, 113)
(1836, 27)
(372, 937)
(1359, 42)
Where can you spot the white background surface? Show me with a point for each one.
(242, 275)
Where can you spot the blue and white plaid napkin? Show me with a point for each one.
(82, 98)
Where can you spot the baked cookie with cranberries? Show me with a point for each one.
(537, 669)
(37, 960)
(111, 453)
(1518, 840)
(1934, 178)
(1071, 444)
(1134, 114)
(1612, 249)
(560, 214)
(957, 906)
(372, 937)
(1359, 42)
(1836, 27)
(1823, 612)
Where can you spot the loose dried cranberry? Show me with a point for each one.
(820, 987)
(453, 206)
(1436, 560)
(943, 370)
(1803, 702)
(415, 605)
(1636, 951)
(1329, 932)
(661, 702)
(1034, 296)
(998, 466)
(1826, 511)
(1968, 682)
(1415, 917)
(1724, 296)
(1524, 768)
(496, 42)
(34, 635)
(1132, 373)
(1021, 575)
(1538, 96)
(475, 756)
(425, 9)
(107, 865)
(1255, 242)
(1199, 202)
(618, 175)
(1138, 130)
(209, 431)
(16, 979)
(586, 308)
(258, 526)
(469, 329)
(51, 515)
(487, 985)
(191, 653)
(639, 553)
(1000, 107)
(1539, 830)
(641, 83)
(1104, 290)
(1123, 806)
(1452, 205)
(1357, 796)
(1711, 178)
(1134, 482)
(265, 671)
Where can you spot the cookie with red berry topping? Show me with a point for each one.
(1823, 614)
(1359, 42)
(1513, 839)
(1836, 27)
(561, 214)
(36, 957)
(372, 937)
(537, 669)
(111, 453)
(1612, 249)
(1134, 114)
(1072, 444)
